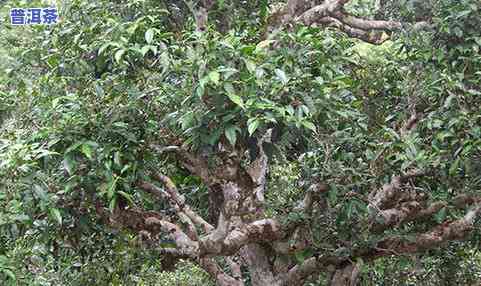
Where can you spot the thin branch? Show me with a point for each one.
(389, 194)
(313, 265)
(222, 279)
(311, 16)
(182, 240)
(180, 204)
(365, 24)
(192, 162)
(465, 200)
(410, 124)
(153, 190)
(165, 149)
(173, 252)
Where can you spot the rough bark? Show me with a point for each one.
(256, 243)
(332, 13)
(347, 275)
(259, 265)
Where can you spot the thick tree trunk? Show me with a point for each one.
(259, 267)
(216, 199)
(346, 276)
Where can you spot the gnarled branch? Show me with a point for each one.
(332, 13)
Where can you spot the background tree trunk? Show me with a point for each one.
(259, 267)
(346, 276)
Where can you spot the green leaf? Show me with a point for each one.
(43, 153)
(264, 6)
(441, 215)
(87, 150)
(147, 48)
(299, 257)
(229, 88)
(98, 90)
(281, 75)
(247, 49)
(251, 66)
(231, 135)
(69, 164)
(263, 45)
(70, 186)
(227, 72)
(200, 90)
(349, 210)
(55, 213)
(232, 96)
(3, 260)
(118, 158)
(252, 125)
(112, 187)
(260, 73)
(449, 100)
(125, 168)
(303, 254)
(73, 147)
(103, 48)
(309, 125)
(9, 273)
(290, 110)
(112, 203)
(21, 218)
(187, 120)
(454, 167)
(214, 137)
(149, 35)
(128, 197)
(458, 32)
(214, 77)
(118, 55)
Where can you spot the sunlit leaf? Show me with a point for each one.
(55, 213)
(214, 77)
(149, 35)
(281, 75)
(118, 55)
(69, 164)
(230, 134)
(232, 96)
(252, 125)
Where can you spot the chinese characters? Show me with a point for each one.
(33, 16)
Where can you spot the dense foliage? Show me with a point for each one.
(374, 147)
